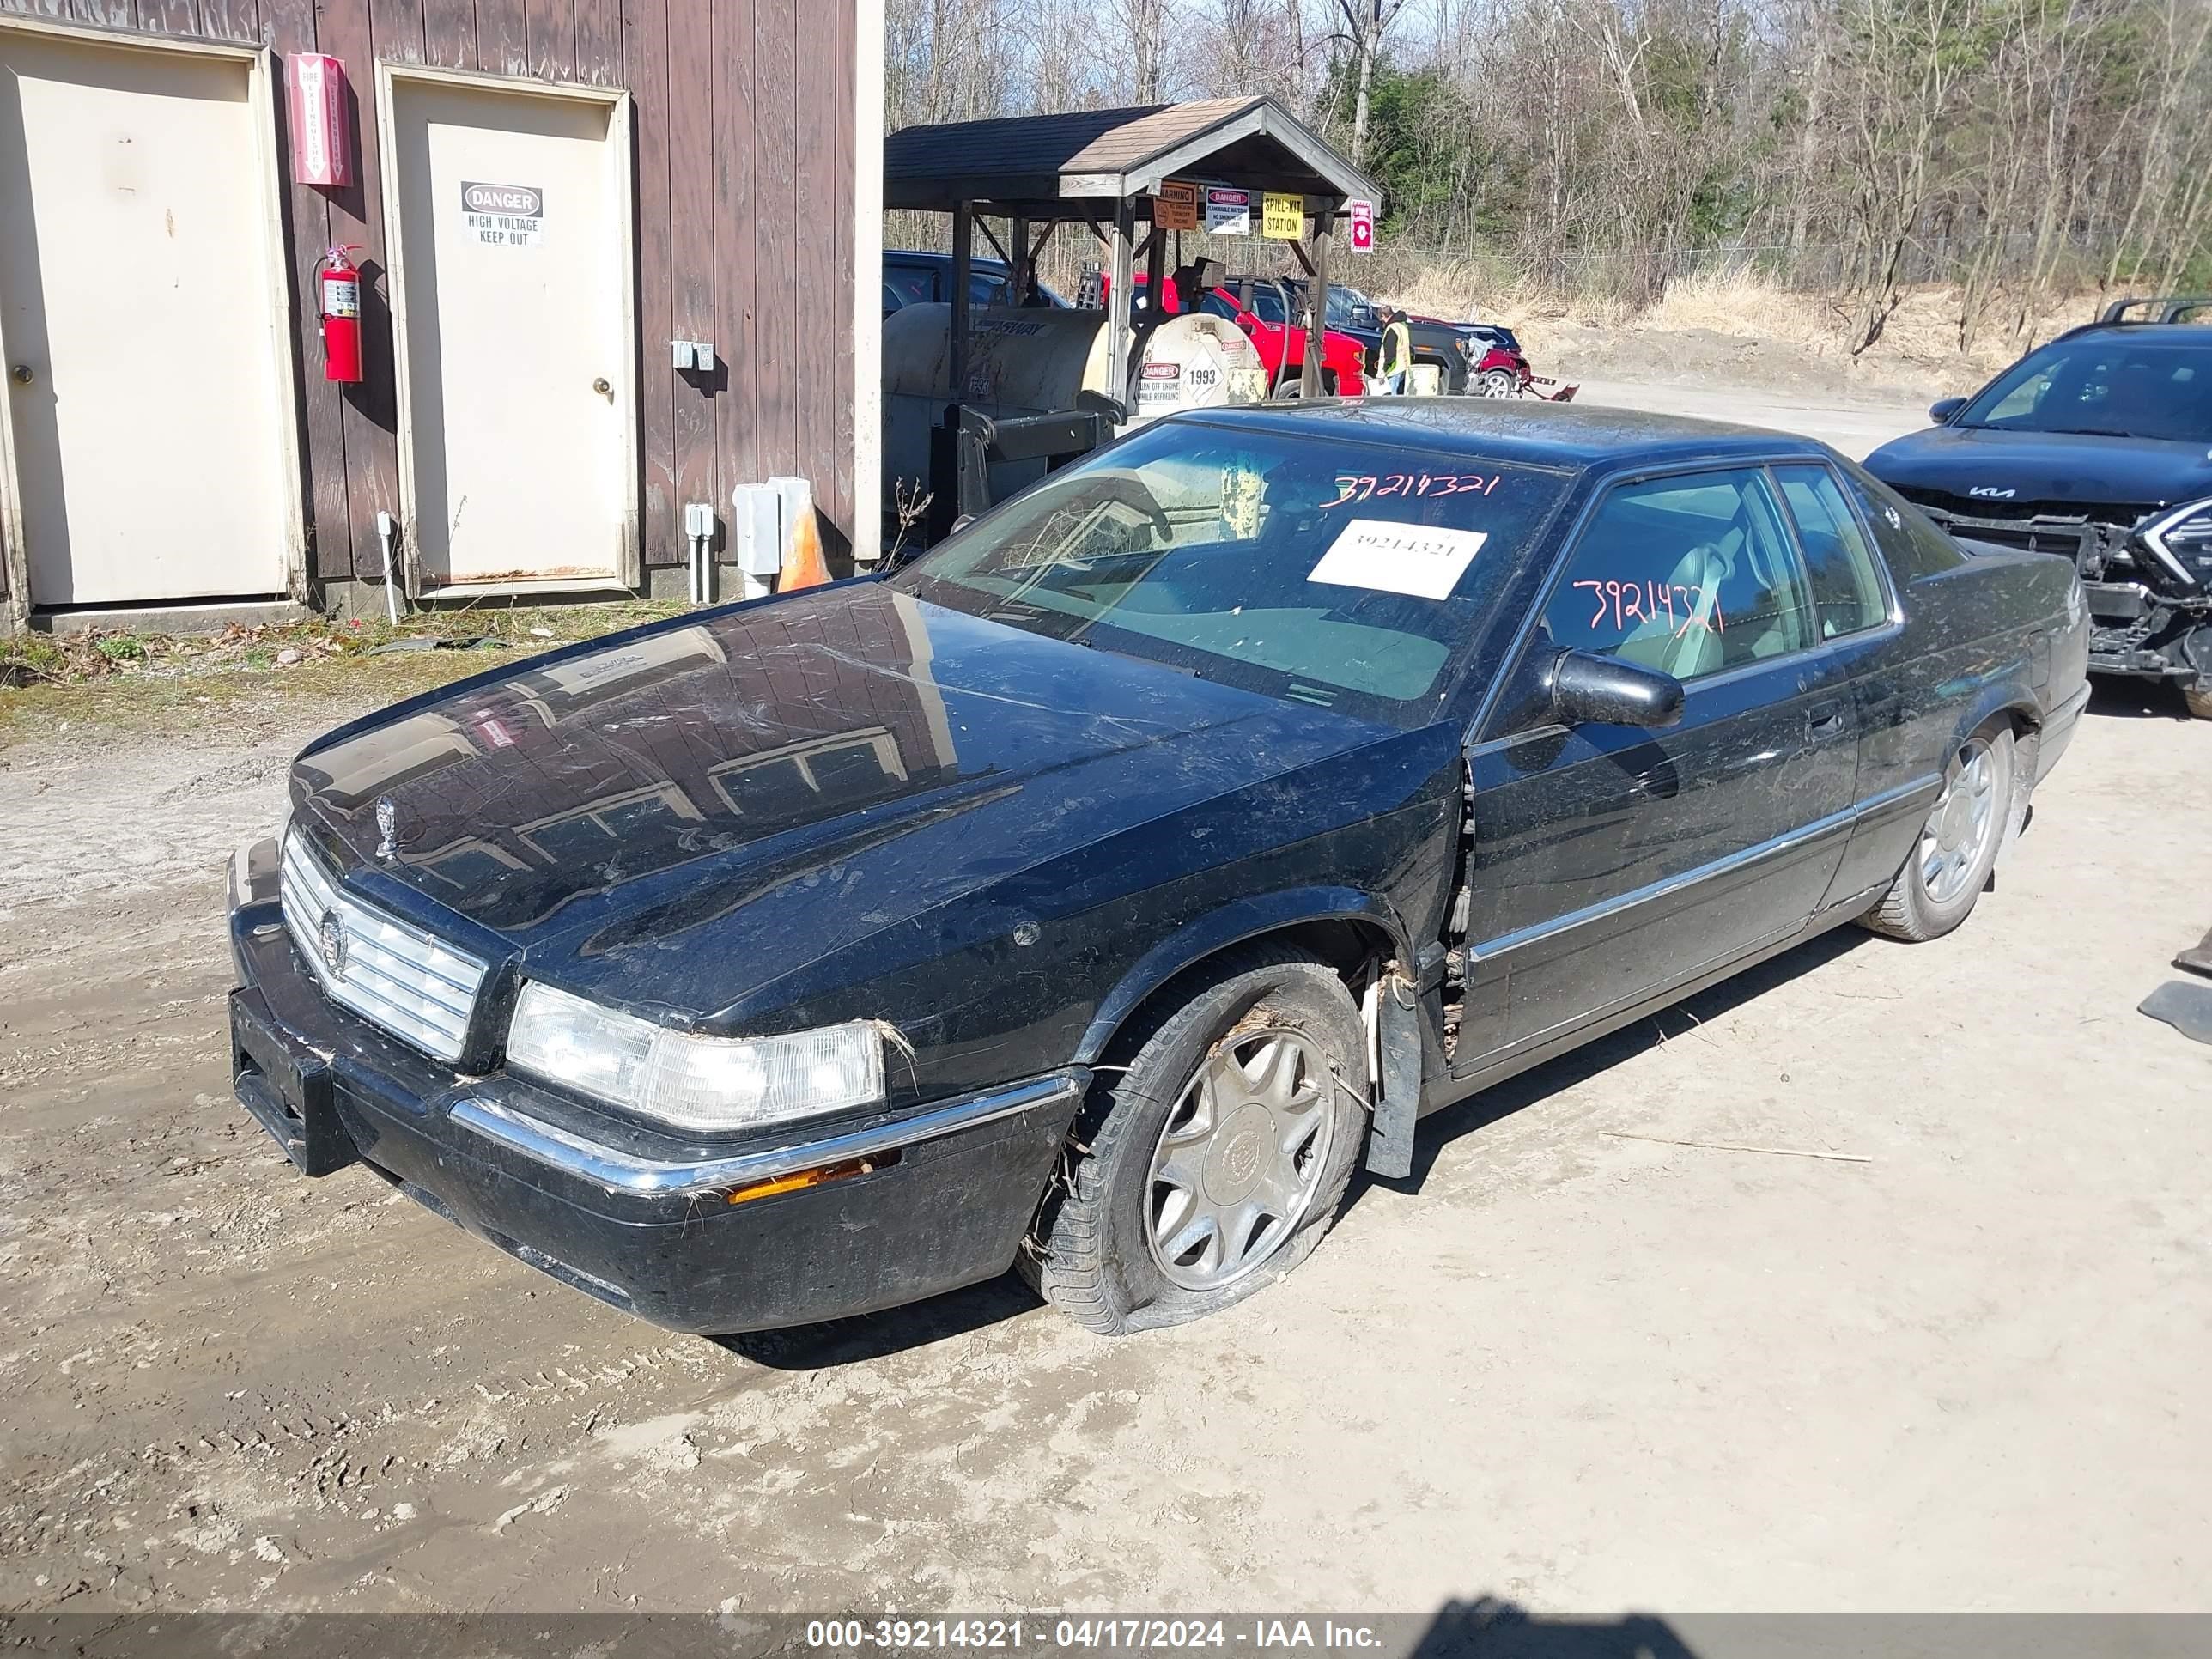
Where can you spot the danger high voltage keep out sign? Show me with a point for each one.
(504, 215)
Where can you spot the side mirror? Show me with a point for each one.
(1943, 409)
(1593, 690)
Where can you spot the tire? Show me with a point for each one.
(1496, 383)
(1186, 1136)
(2199, 699)
(1950, 865)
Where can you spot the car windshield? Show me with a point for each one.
(2130, 385)
(1266, 303)
(1348, 575)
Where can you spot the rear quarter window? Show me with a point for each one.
(1909, 541)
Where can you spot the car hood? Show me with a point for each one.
(877, 753)
(2062, 468)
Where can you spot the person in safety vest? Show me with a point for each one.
(1397, 352)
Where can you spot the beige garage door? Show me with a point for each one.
(512, 275)
(139, 320)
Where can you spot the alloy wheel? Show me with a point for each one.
(1967, 819)
(1239, 1158)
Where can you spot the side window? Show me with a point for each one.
(1214, 305)
(988, 288)
(1689, 574)
(1846, 593)
(1914, 547)
(2021, 399)
(908, 285)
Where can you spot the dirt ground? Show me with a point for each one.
(1580, 1367)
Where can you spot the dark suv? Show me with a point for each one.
(912, 277)
(2098, 447)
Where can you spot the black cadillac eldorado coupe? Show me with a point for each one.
(1091, 893)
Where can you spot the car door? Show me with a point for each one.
(1610, 863)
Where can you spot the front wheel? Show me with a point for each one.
(2199, 699)
(1212, 1164)
(1958, 847)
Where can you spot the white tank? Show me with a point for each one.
(1033, 361)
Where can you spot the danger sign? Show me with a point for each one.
(1363, 226)
(504, 215)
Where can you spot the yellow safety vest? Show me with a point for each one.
(1397, 349)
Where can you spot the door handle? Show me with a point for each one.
(1824, 720)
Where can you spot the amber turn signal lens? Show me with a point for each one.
(800, 1179)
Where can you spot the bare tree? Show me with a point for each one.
(1364, 21)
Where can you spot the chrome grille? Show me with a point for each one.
(419, 988)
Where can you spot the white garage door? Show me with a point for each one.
(513, 277)
(140, 323)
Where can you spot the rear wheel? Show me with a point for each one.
(1496, 383)
(2199, 699)
(1213, 1163)
(1958, 846)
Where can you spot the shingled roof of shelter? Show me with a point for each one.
(1072, 164)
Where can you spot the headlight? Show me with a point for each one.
(2183, 539)
(704, 1083)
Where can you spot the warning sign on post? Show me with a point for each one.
(1363, 226)
(1283, 217)
(1228, 212)
(1174, 207)
(504, 215)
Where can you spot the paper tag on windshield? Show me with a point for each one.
(1424, 560)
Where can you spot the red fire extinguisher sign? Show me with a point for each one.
(337, 297)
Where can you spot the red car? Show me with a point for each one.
(1281, 344)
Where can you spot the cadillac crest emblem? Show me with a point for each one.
(331, 933)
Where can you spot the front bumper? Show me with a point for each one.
(945, 1193)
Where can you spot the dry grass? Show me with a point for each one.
(1920, 345)
(156, 683)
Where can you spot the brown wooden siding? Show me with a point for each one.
(744, 150)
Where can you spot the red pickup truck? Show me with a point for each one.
(1280, 339)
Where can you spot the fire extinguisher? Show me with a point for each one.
(337, 295)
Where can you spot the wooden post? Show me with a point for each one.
(964, 260)
(1317, 308)
(1118, 307)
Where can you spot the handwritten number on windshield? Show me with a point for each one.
(1361, 487)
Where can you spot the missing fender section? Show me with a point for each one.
(1398, 1094)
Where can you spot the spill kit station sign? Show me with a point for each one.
(1283, 216)
(504, 215)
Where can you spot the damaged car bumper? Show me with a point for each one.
(2137, 628)
(781, 1230)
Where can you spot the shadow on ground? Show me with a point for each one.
(1492, 1629)
(958, 1313)
(1579, 1065)
(873, 1336)
(2141, 699)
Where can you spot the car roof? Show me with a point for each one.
(1578, 436)
(921, 256)
(2143, 333)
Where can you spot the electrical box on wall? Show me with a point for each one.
(757, 528)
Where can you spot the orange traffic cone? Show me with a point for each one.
(803, 564)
